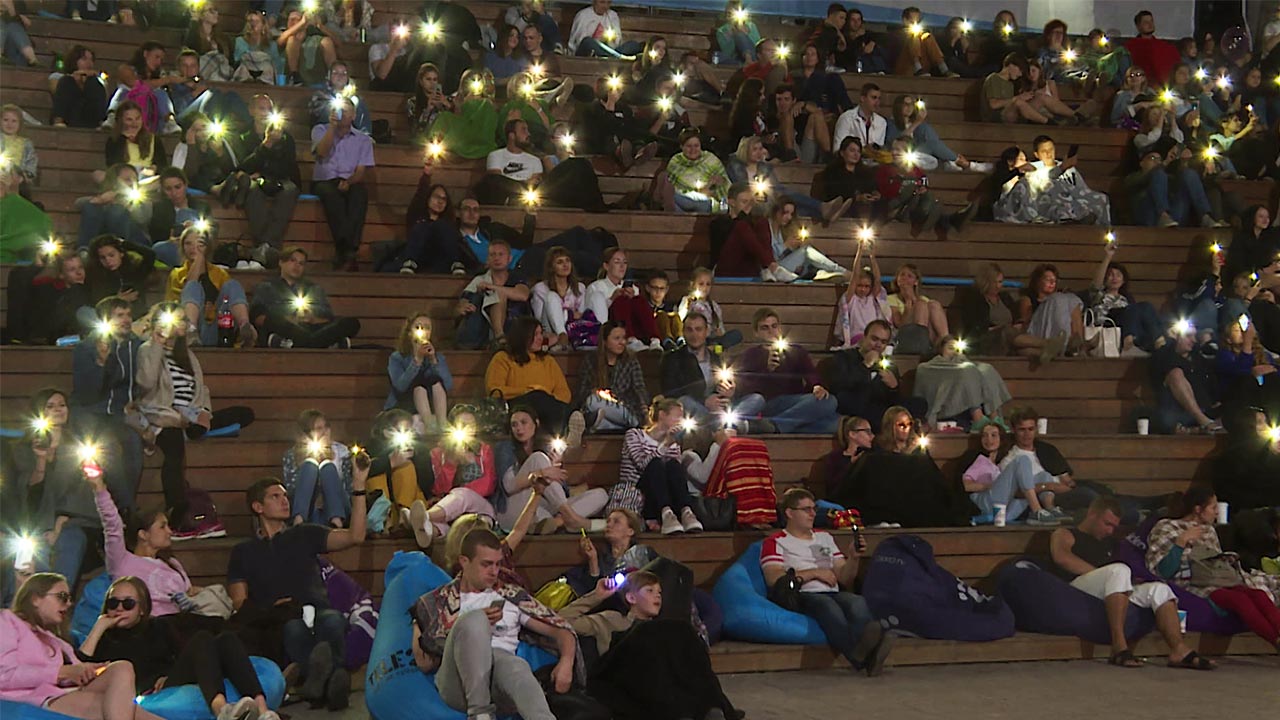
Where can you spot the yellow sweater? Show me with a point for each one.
(542, 372)
(178, 279)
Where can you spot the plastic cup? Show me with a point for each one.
(1000, 509)
(1042, 426)
(309, 615)
(1182, 620)
(1144, 426)
(1223, 512)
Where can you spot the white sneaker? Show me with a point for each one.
(690, 521)
(767, 275)
(670, 525)
(246, 708)
(951, 166)
(981, 167)
(655, 344)
(784, 275)
(424, 531)
(634, 345)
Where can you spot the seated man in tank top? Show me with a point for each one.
(1083, 557)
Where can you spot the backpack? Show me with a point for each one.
(255, 66)
(142, 94)
(906, 587)
(200, 509)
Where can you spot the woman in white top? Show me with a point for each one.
(601, 293)
(528, 459)
(1014, 486)
(559, 299)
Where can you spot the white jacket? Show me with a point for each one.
(852, 123)
(587, 21)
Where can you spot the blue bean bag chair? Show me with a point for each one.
(395, 689)
(10, 710)
(1202, 615)
(905, 587)
(89, 607)
(1045, 603)
(185, 702)
(748, 613)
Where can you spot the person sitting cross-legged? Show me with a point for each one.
(467, 630)
(491, 300)
(1082, 556)
(817, 562)
(295, 312)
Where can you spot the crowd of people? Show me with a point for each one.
(477, 475)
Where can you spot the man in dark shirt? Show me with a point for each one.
(1083, 556)
(1184, 384)
(863, 381)
(783, 374)
(829, 36)
(276, 588)
(741, 244)
(171, 213)
(697, 374)
(269, 181)
(293, 312)
(491, 300)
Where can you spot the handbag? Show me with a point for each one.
(1214, 570)
(716, 514)
(492, 415)
(555, 594)
(785, 593)
(212, 601)
(1109, 343)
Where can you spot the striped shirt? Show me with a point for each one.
(638, 448)
(184, 384)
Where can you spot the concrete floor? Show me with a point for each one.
(1241, 688)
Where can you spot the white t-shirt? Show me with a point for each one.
(518, 166)
(506, 633)
(798, 554)
(1015, 452)
(379, 52)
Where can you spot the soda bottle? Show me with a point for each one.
(226, 325)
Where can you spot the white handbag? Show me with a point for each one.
(1108, 333)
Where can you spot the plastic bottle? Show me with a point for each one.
(226, 324)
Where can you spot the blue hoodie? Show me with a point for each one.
(104, 389)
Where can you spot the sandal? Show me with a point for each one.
(1193, 661)
(1125, 658)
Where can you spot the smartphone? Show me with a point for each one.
(362, 460)
(498, 604)
(1073, 150)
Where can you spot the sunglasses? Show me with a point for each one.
(64, 596)
(126, 603)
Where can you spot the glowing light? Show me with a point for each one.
(912, 158)
(402, 439)
(168, 319)
(966, 26)
(308, 6)
(41, 425)
(102, 76)
(606, 395)
(664, 103)
(653, 54)
(133, 195)
(1215, 248)
(697, 185)
(336, 104)
(420, 334)
(1182, 327)
(87, 452)
(460, 434)
(477, 86)
(920, 104)
(1249, 108)
(314, 447)
(217, 129)
(614, 82)
(696, 294)
(537, 71)
(783, 51)
(435, 148)
(1104, 40)
(528, 89)
(1201, 74)
(431, 30)
(885, 363)
(781, 345)
(275, 119)
(104, 328)
(1243, 322)
(1007, 29)
(1277, 80)
(300, 303)
(50, 247)
(730, 418)
(961, 345)
(610, 35)
(724, 375)
(803, 233)
(678, 79)
(530, 197)
(566, 141)
(923, 441)
(1253, 277)
(740, 15)
(1167, 96)
(1068, 56)
(1211, 153)
(916, 28)
(1110, 237)
(1223, 82)
(402, 31)
(356, 449)
(201, 225)
(23, 548)
(688, 424)
(558, 445)
(760, 186)
(1273, 433)
(866, 234)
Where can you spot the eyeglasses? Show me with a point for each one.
(862, 430)
(806, 508)
(64, 597)
(126, 603)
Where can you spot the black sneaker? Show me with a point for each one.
(343, 344)
(338, 693)
(319, 672)
(455, 269)
(276, 341)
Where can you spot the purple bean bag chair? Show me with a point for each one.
(1045, 603)
(349, 598)
(1201, 615)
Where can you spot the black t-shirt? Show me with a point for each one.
(282, 566)
(1089, 549)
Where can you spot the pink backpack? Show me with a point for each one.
(142, 94)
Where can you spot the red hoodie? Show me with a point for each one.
(1158, 57)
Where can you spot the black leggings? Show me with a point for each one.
(207, 661)
(664, 484)
(173, 443)
(553, 414)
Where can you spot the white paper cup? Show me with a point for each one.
(1000, 509)
(1223, 512)
(309, 615)
(1182, 620)
(1144, 426)
(1042, 426)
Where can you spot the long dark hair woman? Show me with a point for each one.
(529, 458)
(525, 371)
(80, 97)
(124, 631)
(174, 406)
(611, 391)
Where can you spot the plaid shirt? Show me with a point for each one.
(695, 175)
(626, 382)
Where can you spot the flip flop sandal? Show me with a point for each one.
(1125, 659)
(1193, 661)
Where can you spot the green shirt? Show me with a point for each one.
(995, 87)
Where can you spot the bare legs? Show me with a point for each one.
(108, 697)
(431, 404)
(929, 313)
(1181, 390)
(1171, 630)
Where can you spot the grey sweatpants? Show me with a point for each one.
(478, 679)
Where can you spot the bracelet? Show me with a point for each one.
(359, 493)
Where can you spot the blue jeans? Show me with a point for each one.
(1187, 205)
(842, 617)
(327, 478)
(748, 408)
(167, 252)
(300, 640)
(66, 555)
(802, 413)
(193, 294)
(685, 203)
(806, 258)
(615, 416)
(1008, 489)
(590, 47)
(14, 38)
(806, 205)
(111, 219)
(1142, 322)
(928, 142)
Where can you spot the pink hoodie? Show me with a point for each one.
(162, 578)
(30, 658)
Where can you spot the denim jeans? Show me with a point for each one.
(808, 258)
(111, 219)
(1186, 205)
(928, 142)
(806, 205)
(193, 294)
(690, 204)
(842, 617)
(303, 502)
(615, 416)
(1009, 487)
(590, 47)
(14, 38)
(802, 413)
(168, 253)
(747, 408)
(300, 640)
(1142, 322)
(66, 555)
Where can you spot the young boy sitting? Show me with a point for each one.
(904, 188)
